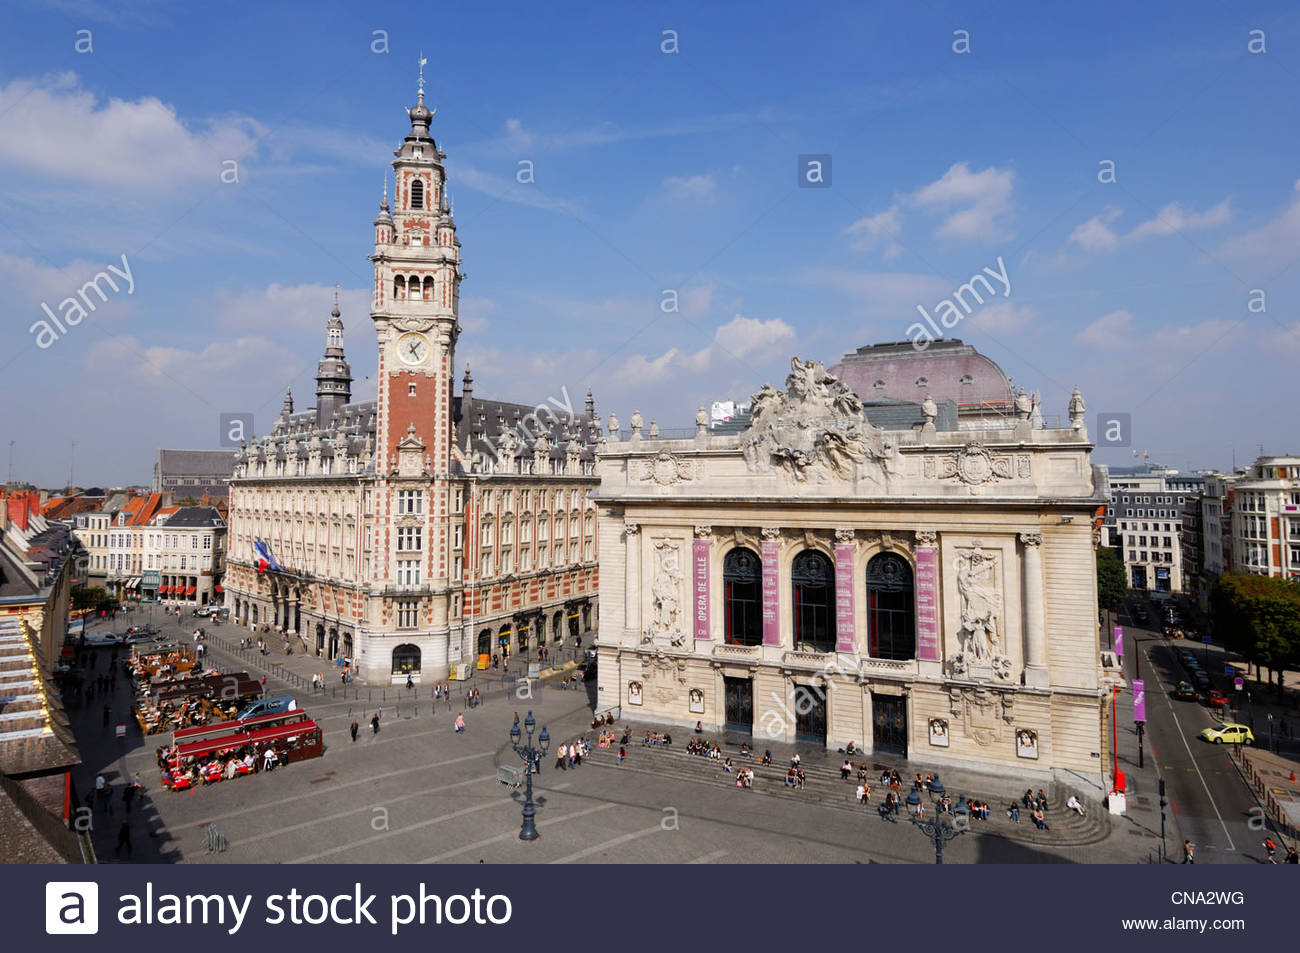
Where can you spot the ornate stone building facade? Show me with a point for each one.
(817, 578)
(411, 533)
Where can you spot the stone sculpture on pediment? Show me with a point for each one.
(974, 465)
(815, 428)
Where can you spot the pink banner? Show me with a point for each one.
(701, 588)
(1119, 641)
(845, 640)
(927, 603)
(771, 590)
(1139, 700)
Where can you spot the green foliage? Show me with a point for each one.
(1112, 582)
(1259, 616)
(88, 597)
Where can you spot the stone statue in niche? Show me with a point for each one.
(980, 604)
(665, 593)
(981, 656)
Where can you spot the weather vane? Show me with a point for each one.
(423, 60)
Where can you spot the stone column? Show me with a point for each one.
(1035, 625)
(632, 578)
(291, 625)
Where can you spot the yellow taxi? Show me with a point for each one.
(1229, 732)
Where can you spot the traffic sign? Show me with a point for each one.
(121, 731)
(1205, 639)
(1238, 683)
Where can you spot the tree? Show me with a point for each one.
(1259, 616)
(88, 598)
(1112, 582)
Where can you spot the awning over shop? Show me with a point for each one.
(191, 590)
(217, 588)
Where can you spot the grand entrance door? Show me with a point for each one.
(809, 714)
(889, 712)
(739, 712)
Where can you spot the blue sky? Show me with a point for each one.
(653, 170)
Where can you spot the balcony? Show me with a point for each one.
(754, 652)
(906, 668)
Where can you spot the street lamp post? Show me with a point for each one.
(935, 828)
(532, 757)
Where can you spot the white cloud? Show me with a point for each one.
(1096, 234)
(748, 340)
(881, 228)
(1171, 218)
(1274, 242)
(1001, 317)
(53, 127)
(697, 188)
(1110, 332)
(303, 307)
(880, 293)
(474, 314)
(509, 190)
(982, 201)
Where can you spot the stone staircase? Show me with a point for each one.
(20, 699)
(823, 786)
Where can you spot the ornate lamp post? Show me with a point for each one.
(937, 829)
(531, 756)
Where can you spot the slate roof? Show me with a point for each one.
(194, 463)
(30, 833)
(195, 516)
(943, 364)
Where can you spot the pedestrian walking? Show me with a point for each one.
(410, 682)
(622, 753)
(1189, 852)
(354, 730)
(1271, 847)
(374, 724)
(1291, 856)
(123, 839)
(460, 722)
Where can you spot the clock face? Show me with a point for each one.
(412, 348)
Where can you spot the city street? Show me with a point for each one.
(1210, 803)
(419, 792)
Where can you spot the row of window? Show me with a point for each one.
(1154, 499)
(890, 602)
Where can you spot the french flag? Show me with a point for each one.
(262, 555)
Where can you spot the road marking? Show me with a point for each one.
(597, 848)
(404, 830)
(357, 810)
(708, 858)
(368, 779)
(1177, 724)
(511, 835)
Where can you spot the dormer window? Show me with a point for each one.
(879, 385)
(417, 195)
(417, 153)
(967, 379)
(923, 382)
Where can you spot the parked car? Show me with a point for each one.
(1216, 699)
(1201, 680)
(143, 630)
(136, 636)
(1184, 692)
(99, 639)
(269, 706)
(1229, 731)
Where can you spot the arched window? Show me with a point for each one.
(406, 660)
(813, 581)
(417, 194)
(891, 608)
(742, 601)
(399, 287)
(428, 288)
(485, 642)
